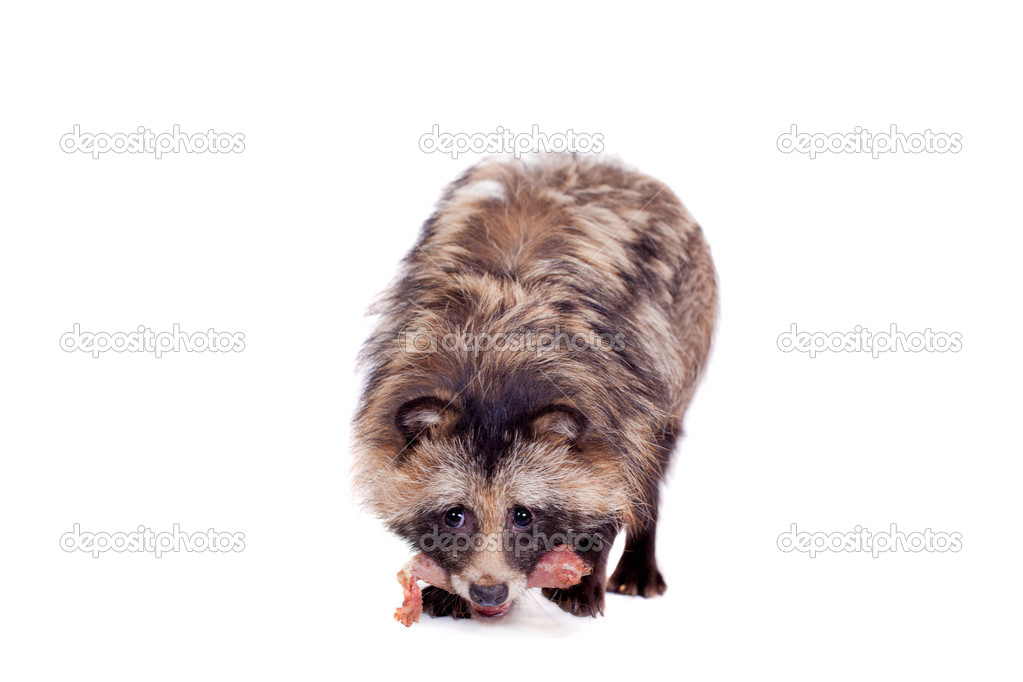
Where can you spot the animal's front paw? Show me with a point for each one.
(438, 603)
(636, 578)
(584, 599)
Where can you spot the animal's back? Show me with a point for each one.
(585, 251)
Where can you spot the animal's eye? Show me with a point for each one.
(522, 517)
(454, 517)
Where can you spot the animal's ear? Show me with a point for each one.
(559, 421)
(425, 417)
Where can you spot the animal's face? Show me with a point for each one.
(488, 505)
(487, 550)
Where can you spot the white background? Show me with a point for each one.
(288, 242)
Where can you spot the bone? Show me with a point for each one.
(559, 568)
(419, 567)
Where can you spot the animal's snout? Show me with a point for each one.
(488, 595)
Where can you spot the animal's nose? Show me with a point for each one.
(488, 595)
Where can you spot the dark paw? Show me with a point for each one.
(439, 603)
(636, 578)
(584, 599)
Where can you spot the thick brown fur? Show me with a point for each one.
(579, 247)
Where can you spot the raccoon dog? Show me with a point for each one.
(527, 380)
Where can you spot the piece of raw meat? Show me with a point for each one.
(559, 568)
